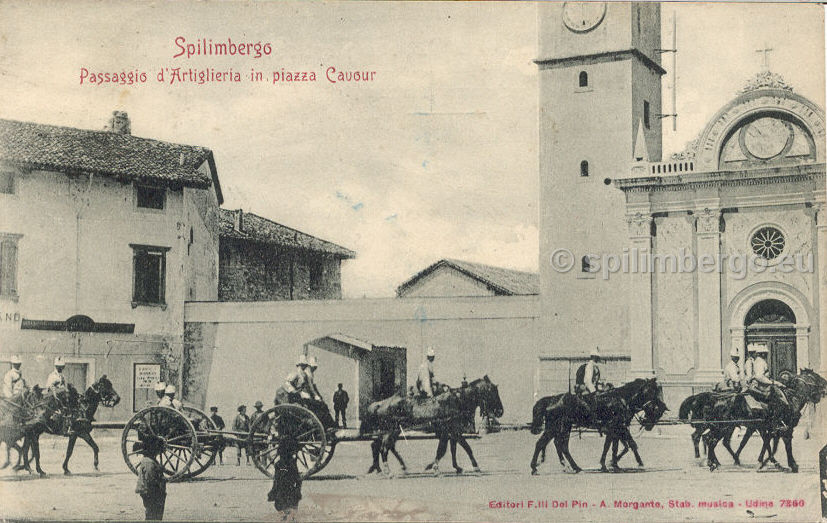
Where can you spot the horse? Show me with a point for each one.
(15, 412)
(726, 411)
(446, 414)
(81, 414)
(610, 412)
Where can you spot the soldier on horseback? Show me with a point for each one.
(425, 380)
(761, 385)
(66, 396)
(587, 379)
(733, 377)
(13, 382)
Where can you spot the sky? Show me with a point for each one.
(435, 158)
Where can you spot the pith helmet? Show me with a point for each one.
(15, 360)
(160, 387)
(595, 352)
(312, 361)
(430, 353)
(302, 360)
(59, 362)
(761, 349)
(735, 352)
(170, 389)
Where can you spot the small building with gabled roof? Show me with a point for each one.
(458, 278)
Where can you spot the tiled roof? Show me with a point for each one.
(504, 282)
(121, 156)
(257, 229)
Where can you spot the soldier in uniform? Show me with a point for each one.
(295, 386)
(587, 380)
(160, 390)
(425, 379)
(169, 399)
(749, 364)
(733, 377)
(241, 423)
(218, 421)
(312, 365)
(56, 381)
(13, 382)
(762, 384)
(256, 413)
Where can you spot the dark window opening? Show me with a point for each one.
(8, 268)
(150, 197)
(584, 168)
(316, 274)
(149, 275)
(646, 113)
(6, 182)
(584, 79)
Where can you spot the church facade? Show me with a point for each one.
(674, 263)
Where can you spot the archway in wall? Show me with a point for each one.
(771, 323)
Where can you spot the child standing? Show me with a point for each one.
(287, 483)
(152, 486)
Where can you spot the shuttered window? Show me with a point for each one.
(149, 275)
(8, 266)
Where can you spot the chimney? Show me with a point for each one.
(119, 123)
(238, 220)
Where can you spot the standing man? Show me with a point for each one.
(256, 413)
(241, 424)
(749, 363)
(13, 382)
(425, 379)
(340, 399)
(733, 378)
(169, 399)
(218, 421)
(56, 380)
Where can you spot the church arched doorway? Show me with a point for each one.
(772, 323)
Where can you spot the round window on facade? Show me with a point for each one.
(767, 242)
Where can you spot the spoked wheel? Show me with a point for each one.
(208, 442)
(327, 455)
(283, 422)
(176, 433)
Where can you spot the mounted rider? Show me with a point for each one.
(57, 385)
(295, 386)
(425, 384)
(587, 378)
(312, 365)
(733, 375)
(762, 385)
(13, 382)
(169, 399)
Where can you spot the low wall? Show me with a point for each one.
(254, 345)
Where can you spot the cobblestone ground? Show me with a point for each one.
(342, 491)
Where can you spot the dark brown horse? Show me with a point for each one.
(721, 413)
(16, 414)
(610, 412)
(69, 415)
(446, 415)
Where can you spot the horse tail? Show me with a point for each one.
(538, 416)
(686, 408)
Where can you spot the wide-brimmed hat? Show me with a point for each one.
(170, 389)
(160, 386)
(213, 409)
(258, 404)
(302, 360)
(735, 352)
(15, 360)
(59, 362)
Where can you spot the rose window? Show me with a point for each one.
(767, 242)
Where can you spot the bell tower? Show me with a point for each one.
(600, 106)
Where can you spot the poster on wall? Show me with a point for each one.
(144, 378)
(600, 227)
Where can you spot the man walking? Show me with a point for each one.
(340, 399)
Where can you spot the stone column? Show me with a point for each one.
(708, 232)
(802, 347)
(821, 255)
(640, 295)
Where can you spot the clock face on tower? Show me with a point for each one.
(583, 16)
(766, 137)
